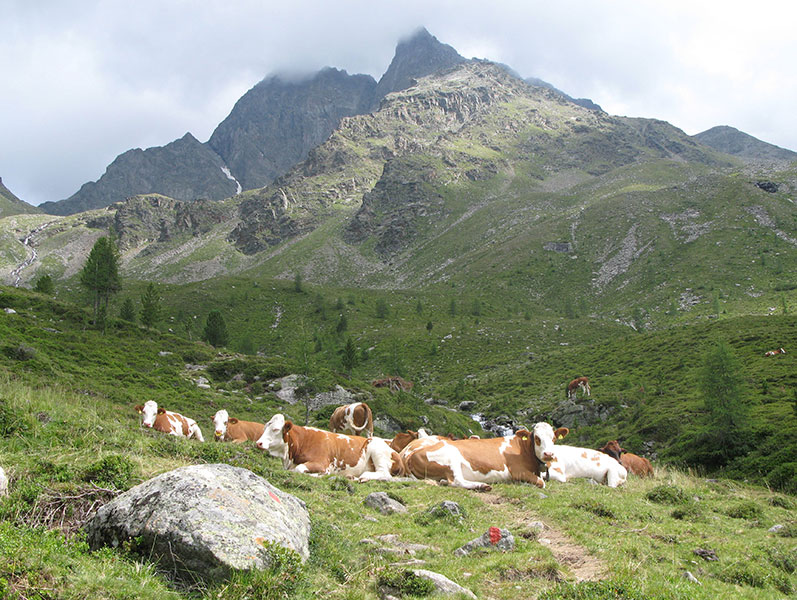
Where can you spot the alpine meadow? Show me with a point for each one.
(451, 245)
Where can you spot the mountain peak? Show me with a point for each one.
(416, 56)
(737, 143)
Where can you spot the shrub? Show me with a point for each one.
(755, 575)
(688, 512)
(111, 471)
(22, 352)
(404, 582)
(746, 510)
(781, 502)
(596, 590)
(283, 578)
(595, 507)
(667, 494)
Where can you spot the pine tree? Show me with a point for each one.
(150, 306)
(215, 332)
(128, 310)
(349, 358)
(100, 273)
(44, 285)
(343, 324)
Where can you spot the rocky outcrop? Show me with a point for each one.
(401, 201)
(153, 218)
(203, 521)
(571, 413)
(417, 56)
(184, 169)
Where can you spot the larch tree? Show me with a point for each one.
(100, 274)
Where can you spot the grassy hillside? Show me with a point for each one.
(70, 440)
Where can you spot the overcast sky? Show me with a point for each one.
(84, 81)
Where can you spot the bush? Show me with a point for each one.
(746, 510)
(22, 352)
(667, 494)
(688, 512)
(111, 471)
(595, 507)
(404, 582)
(596, 590)
(755, 575)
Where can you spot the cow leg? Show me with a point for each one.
(616, 476)
(311, 468)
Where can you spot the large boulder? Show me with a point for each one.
(204, 521)
(3, 483)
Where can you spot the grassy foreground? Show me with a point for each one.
(67, 452)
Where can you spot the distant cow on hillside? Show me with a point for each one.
(353, 419)
(394, 383)
(578, 383)
(169, 422)
(775, 352)
(638, 465)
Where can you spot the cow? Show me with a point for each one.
(230, 429)
(581, 383)
(319, 452)
(774, 352)
(394, 383)
(169, 422)
(353, 419)
(637, 465)
(474, 463)
(400, 440)
(566, 462)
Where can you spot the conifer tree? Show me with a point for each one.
(128, 310)
(150, 306)
(100, 273)
(215, 332)
(44, 285)
(349, 358)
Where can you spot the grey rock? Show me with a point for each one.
(3, 483)
(691, 578)
(586, 412)
(499, 539)
(384, 503)
(204, 520)
(446, 508)
(467, 405)
(775, 528)
(443, 585)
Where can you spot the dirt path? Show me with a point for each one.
(583, 565)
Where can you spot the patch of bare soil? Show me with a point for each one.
(578, 560)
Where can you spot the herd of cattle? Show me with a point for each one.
(350, 448)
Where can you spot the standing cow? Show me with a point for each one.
(353, 419)
(566, 462)
(169, 422)
(579, 383)
(638, 465)
(230, 429)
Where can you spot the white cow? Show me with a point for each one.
(169, 422)
(567, 462)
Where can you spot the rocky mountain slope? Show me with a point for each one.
(737, 143)
(271, 128)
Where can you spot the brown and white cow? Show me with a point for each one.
(566, 462)
(353, 419)
(638, 465)
(401, 439)
(319, 452)
(474, 463)
(581, 383)
(774, 352)
(169, 422)
(230, 429)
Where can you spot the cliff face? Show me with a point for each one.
(276, 123)
(184, 169)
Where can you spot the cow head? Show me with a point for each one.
(613, 449)
(273, 438)
(544, 439)
(400, 440)
(220, 420)
(149, 413)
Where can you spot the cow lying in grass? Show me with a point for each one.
(638, 465)
(230, 429)
(474, 463)
(319, 452)
(566, 462)
(169, 422)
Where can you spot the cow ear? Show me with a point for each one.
(139, 408)
(561, 432)
(232, 420)
(287, 427)
(161, 410)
